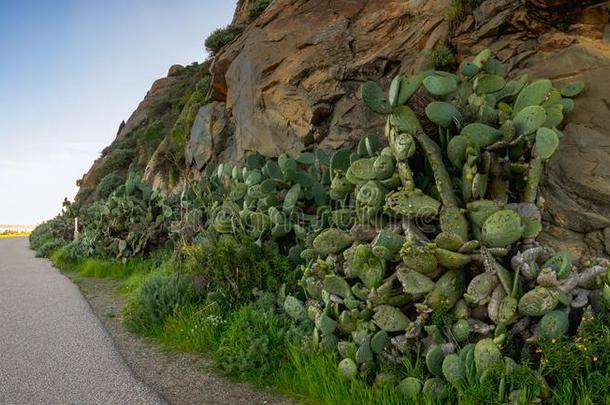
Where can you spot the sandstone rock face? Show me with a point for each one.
(242, 11)
(209, 135)
(292, 79)
(577, 183)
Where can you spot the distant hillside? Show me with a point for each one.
(153, 139)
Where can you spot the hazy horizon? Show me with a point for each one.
(73, 71)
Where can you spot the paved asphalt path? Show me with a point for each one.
(53, 349)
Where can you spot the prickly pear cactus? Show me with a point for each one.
(487, 355)
(554, 324)
(422, 238)
(440, 240)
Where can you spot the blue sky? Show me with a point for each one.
(70, 71)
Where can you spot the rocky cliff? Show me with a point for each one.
(291, 81)
(152, 139)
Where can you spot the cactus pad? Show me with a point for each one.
(554, 324)
(440, 85)
(487, 355)
(443, 114)
(374, 97)
(546, 142)
(348, 368)
(390, 319)
(538, 302)
(501, 229)
(573, 89)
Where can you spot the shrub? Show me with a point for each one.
(118, 159)
(258, 8)
(52, 233)
(80, 248)
(108, 184)
(49, 247)
(152, 137)
(160, 295)
(254, 345)
(222, 36)
(203, 85)
(230, 270)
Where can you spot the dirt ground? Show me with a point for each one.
(180, 378)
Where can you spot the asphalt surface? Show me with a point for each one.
(53, 349)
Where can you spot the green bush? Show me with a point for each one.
(49, 247)
(222, 36)
(230, 270)
(194, 329)
(108, 184)
(258, 8)
(153, 135)
(160, 295)
(116, 160)
(203, 85)
(52, 234)
(254, 345)
(81, 248)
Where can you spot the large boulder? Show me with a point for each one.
(209, 135)
(293, 77)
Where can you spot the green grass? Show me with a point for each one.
(254, 344)
(272, 361)
(312, 378)
(192, 329)
(101, 268)
(579, 368)
(257, 343)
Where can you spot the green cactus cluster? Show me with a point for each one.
(420, 222)
(132, 221)
(437, 219)
(444, 222)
